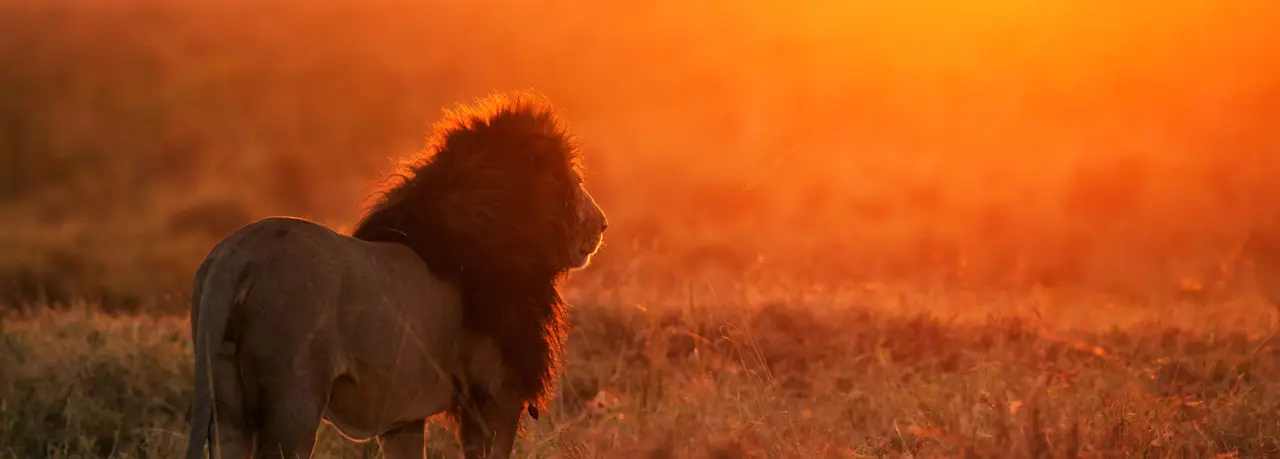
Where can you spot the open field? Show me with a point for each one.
(816, 375)
(843, 229)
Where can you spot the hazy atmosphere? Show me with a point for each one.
(836, 229)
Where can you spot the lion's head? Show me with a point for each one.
(592, 223)
(497, 204)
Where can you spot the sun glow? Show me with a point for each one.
(901, 133)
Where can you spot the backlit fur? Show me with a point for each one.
(490, 205)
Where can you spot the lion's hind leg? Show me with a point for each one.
(232, 435)
(290, 406)
(405, 442)
(290, 418)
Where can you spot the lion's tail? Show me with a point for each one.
(220, 286)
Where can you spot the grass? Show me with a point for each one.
(827, 375)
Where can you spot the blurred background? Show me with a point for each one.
(1122, 148)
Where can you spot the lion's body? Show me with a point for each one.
(443, 300)
(370, 327)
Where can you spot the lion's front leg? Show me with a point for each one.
(487, 426)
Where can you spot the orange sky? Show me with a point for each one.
(871, 129)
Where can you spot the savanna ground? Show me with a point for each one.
(884, 230)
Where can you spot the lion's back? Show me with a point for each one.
(274, 258)
(283, 234)
(278, 241)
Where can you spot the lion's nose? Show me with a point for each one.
(604, 225)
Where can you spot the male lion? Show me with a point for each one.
(445, 299)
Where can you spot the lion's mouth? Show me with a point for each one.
(590, 248)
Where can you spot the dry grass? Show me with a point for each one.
(826, 375)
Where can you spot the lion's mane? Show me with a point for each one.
(488, 205)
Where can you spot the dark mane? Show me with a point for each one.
(488, 205)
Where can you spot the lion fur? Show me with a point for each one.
(483, 207)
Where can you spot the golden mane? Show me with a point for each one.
(487, 205)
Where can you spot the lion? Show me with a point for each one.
(444, 299)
